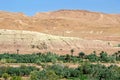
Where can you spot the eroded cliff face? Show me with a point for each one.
(29, 42)
(80, 30)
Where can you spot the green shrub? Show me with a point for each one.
(5, 76)
(16, 78)
(81, 54)
(92, 57)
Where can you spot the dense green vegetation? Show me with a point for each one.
(85, 71)
(50, 57)
(17, 71)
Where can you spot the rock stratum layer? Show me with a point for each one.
(80, 30)
(30, 42)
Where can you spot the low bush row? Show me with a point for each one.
(50, 57)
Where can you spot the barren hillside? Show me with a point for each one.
(29, 42)
(93, 31)
(73, 23)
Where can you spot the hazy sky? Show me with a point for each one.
(30, 7)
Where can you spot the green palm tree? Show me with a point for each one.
(72, 51)
(81, 54)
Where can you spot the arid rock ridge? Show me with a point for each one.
(59, 31)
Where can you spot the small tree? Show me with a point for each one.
(18, 51)
(5, 76)
(81, 54)
(94, 52)
(116, 55)
(104, 56)
(92, 57)
(72, 51)
(119, 52)
(68, 57)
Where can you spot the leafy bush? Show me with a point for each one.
(5, 76)
(16, 78)
(92, 57)
(18, 71)
(43, 75)
(81, 54)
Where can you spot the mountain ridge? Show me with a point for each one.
(86, 25)
(57, 23)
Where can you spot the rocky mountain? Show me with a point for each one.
(78, 29)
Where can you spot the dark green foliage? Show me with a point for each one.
(117, 55)
(37, 75)
(29, 58)
(51, 75)
(67, 58)
(5, 76)
(39, 58)
(59, 69)
(44, 75)
(81, 54)
(72, 51)
(17, 71)
(105, 58)
(92, 57)
(85, 71)
(100, 72)
(64, 72)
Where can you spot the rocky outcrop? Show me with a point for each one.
(29, 42)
